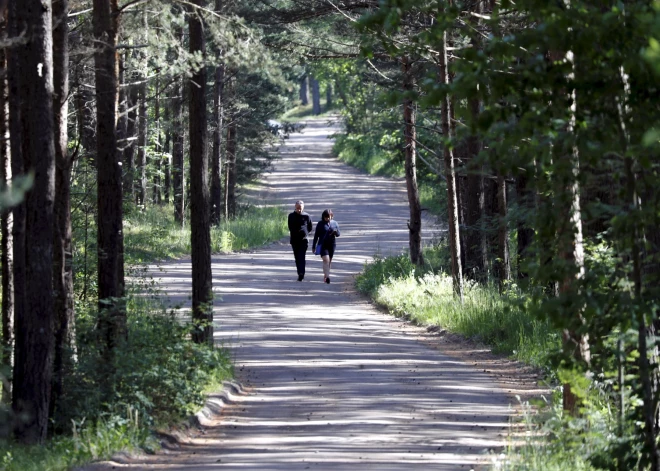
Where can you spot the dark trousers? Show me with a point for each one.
(299, 251)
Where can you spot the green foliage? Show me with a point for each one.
(426, 296)
(87, 442)
(383, 157)
(254, 226)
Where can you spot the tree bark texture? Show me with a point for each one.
(62, 246)
(132, 99)
(156, 196)
(450, 175)
(216, 167)
(476, 256)
(178, 174)
(503, 264)
(167, 151)
(142, 143)
(34, 328)
(230, 180)
(316, 95)
(202, 295)
(6, 248)
(112, 317)
(17, 116)
(328, 96)
(410, 152)
(525, 233)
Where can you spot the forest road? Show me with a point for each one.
(325, 380)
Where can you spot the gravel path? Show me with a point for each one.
(324, 380)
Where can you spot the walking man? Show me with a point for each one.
(300, 224)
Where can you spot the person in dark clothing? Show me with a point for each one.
(327, 230)
(300, 225)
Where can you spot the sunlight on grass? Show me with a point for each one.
(154, 235)
(500, 321)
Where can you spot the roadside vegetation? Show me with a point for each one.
(161, 377)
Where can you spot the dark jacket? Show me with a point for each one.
(299, 226)
(326, 233)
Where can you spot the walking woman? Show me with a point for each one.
(327, 230)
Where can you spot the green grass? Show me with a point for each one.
(160, 379)
(302, 112)
(153, 234)
(426, 297)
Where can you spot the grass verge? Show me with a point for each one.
(425, 296)
(152, 234)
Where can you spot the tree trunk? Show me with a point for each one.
(569, 236)
(62, 248)
(34, 329)
(476, 256)
(303, 91)
(230, 179)
(167, 153)
(316, 95)
(525, 233)
(112, 317)
(158, 147)
(410, 151)
(177, 152)
(503, 263)
(5, 230)
(132, 98)
(142, 144)
(328, 96)
(216, 168)
(202, 295)
(450, 174)
(17, 116)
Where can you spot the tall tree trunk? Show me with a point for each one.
(328, 96)
(230, 179)
(15, 64)
(569, 235)
(525, 233)
(216, 168)
(476, 256)
(167, 154)
(410, 151)
(34, 329)
(450, 175)
(177, 152)
(132, 99)
(112, 317)
(316, 95)
(156, 197)
(303, 91)
(62, 248)
(5, 232)
(202, 295)
(142, 143)
(503, 264)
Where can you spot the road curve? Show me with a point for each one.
(325, 381)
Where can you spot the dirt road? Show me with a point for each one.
(327, 382)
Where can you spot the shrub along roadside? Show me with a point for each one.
(425, 296)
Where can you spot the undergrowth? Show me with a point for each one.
(426, 296)
(159, 379)
(152, 234)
